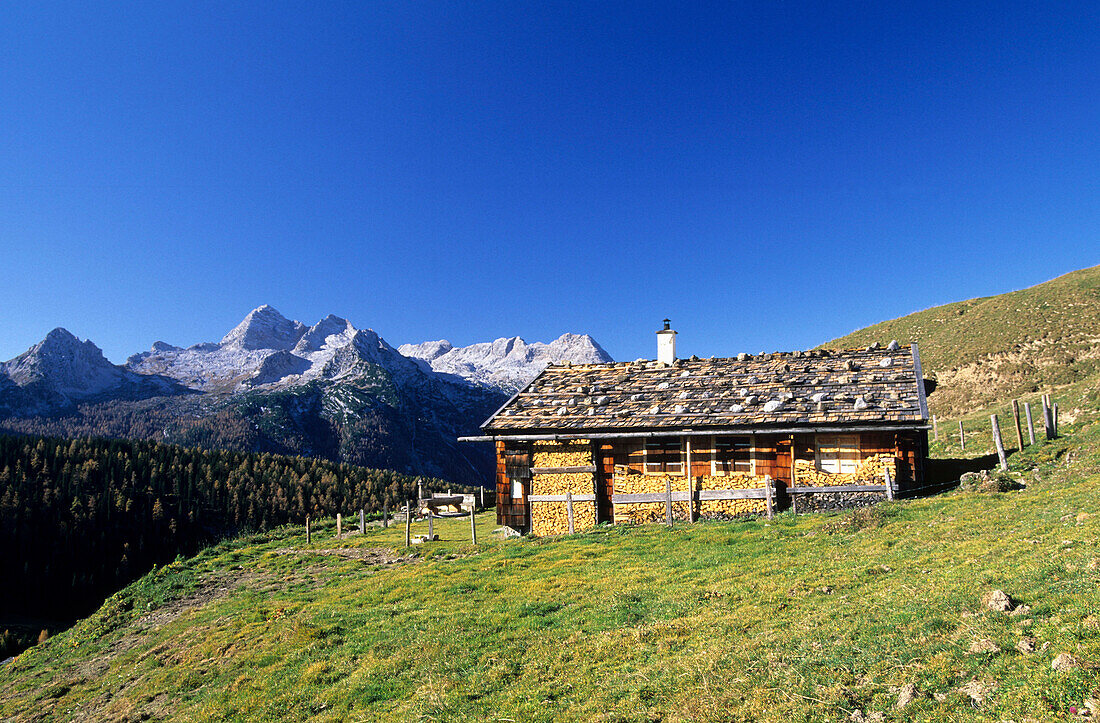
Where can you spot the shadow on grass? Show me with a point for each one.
(941, 475)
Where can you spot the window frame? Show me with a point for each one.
(715, 472)
(822, 461)
(680, 451)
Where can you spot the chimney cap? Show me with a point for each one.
(668, 327)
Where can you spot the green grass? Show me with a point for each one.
(806, 619)
(999, 347)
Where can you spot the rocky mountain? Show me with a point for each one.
(272, 384)
(505, 364)
(61, 371)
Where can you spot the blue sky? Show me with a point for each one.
(769, 175)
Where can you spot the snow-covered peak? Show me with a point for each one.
(318, 334)
(507, 363)
(427, 350)
(264, 328)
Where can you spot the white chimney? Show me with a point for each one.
(666, 344)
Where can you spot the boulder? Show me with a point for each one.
(1065, 661)
(997, 600)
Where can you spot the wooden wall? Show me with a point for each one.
(513, 460)
(772, 456)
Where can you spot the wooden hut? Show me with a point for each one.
(637, 441)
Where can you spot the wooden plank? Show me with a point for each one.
(962, 436)
(759, 493)
(684, 496)
(562, 498)
(835, 488)
(564, 470)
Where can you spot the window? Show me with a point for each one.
(838, 453)
(663, 456)
(517, 488)
(731, 454)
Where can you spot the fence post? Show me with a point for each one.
(362, 521)
(1048, 417)
(668, 501)
(385, 513)
(431, 526)
(338, 529)
(309, 534)
(419, 490)
(768, 495)
(889, 483)
(473, 527)
(408, 523)
(997, 441)
(1030, 424)
(691, 499)
(569, 509)
(482, 497)
(1019, 429)
(1054, 416)
(935, 428)
(962, 437)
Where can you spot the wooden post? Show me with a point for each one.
(1048, 418)
(889, 483)
(962, 437)
(691, 498)
(1030, 424)
(769, 493)
(473, 527)
(569, 509)
(408, 523)
(935, 428)
(1019, 429)
(419, 490)
(431, 526)
(338, 521)
(997, 441)
(309, 534)
(482, 498)
(385, 513)
(668, 501)
(1054, 416)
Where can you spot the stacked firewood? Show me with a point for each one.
(552, 518)
(869, 471)
(628, 481)
(731, 508)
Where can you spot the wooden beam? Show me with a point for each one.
(835, 488)
(562, 498)
(564, 470)
(691, 432)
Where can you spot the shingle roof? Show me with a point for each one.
(872, 385)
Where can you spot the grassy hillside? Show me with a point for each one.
(999, 347)
(806, 618)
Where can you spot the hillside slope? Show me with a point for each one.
(999, 347)
(805, 618)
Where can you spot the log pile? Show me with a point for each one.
(629, 482)
(552, 518)
(724, 509)
(869, 471)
